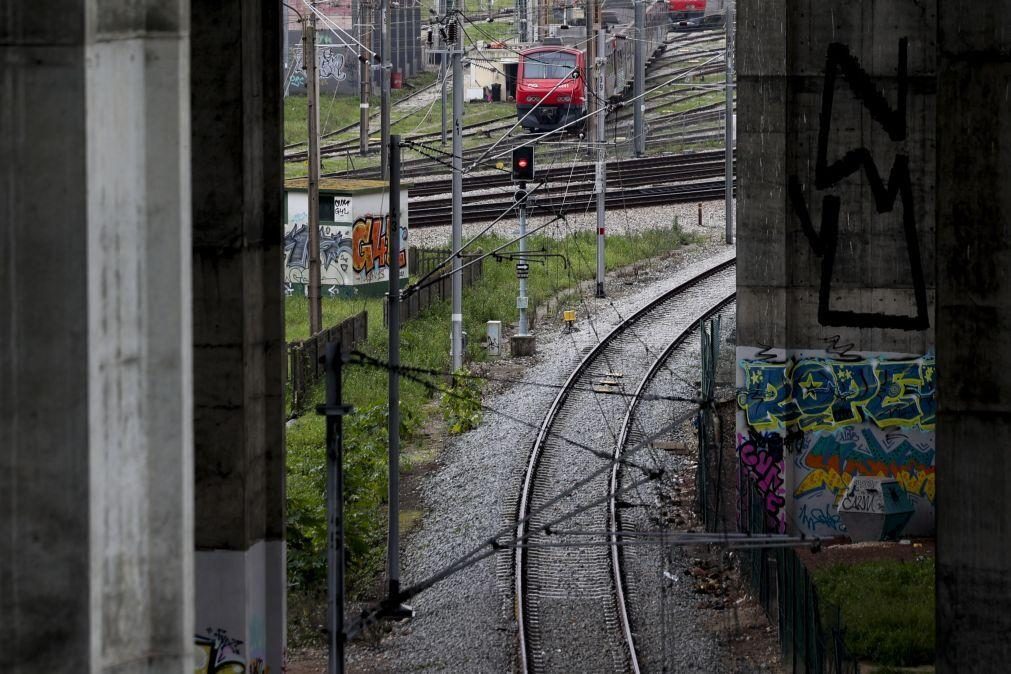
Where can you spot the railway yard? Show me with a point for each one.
(534, 336)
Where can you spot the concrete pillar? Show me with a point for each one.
(95, 339)
(836, 185)
(973, 334)
(238, 330)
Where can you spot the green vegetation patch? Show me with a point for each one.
(887, 609)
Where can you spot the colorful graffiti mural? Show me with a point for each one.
(370, 255)
(832, 418)
(824, 394)
(349, 254)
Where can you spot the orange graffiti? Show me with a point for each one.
(370, 245)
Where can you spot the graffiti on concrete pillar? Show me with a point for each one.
(761, 463)
(218, 653)
(825, 240)
(811, 394)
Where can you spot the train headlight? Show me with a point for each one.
(565, 99)
(532, 99)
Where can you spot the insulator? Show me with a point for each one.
(451, 37)
(429, 37)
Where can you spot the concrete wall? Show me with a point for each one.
(836, 116)
(238, 330)
(95, 353)
(973, 327)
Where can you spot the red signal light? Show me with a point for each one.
(522, 163)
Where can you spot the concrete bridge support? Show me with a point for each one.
(141, 344)
(973, 343)
(238, 326)
(835, 251)
(96, 402)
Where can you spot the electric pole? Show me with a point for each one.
(393, 414)
(601, 185)
(312, 104)
(385, 66)
(442, 68)
(456, 44)
(523, 267)
(365, 70)
(728, 20)
(638, 128)
(590, 13)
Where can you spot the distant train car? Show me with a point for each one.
(682, 10)
(551, 86)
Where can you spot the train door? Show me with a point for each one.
(510, 78)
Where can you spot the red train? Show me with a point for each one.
(686, 9)
(554, 75)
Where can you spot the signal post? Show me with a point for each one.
(522, 343)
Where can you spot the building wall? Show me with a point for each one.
(836, 170)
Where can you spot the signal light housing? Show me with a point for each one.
(523, 163)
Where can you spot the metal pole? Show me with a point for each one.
(312, 103)
(601, 159)
(521, 301)
(591, 67)
(393, 416)
(365, 33)
(729, 20)
(442, 71)
(335, 410)
(639, 131)
(384, 102)
(457, 237)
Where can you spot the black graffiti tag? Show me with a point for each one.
(825, 240)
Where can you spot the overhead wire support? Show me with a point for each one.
(455, 34)
(601, 182)
(312, 186)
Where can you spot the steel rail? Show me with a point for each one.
(526, 493)
(614, 522)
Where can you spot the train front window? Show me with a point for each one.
(549, 65)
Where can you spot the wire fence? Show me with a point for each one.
(421, 262)
(811, 632)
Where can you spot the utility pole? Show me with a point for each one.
(365, 70)
(385, 66)
(334, 410)
(728, 20)
(592, 24)
(456, 45)
(442, 69)
(601, 157)
(312, 103)
(393, 415)
(638, 128)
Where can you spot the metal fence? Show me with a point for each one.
(810, 631)
(436, 289)
(305, 358)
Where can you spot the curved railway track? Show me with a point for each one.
(569, 601)
(630, 436)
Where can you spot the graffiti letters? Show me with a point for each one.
(814, 518)
(217, 653)
(334, 254)
(824, 394)
(370, 255)
(761, 458)
(824, 241)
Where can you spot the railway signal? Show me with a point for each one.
(523, 163)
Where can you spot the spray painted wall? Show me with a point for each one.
(810, 422)
(354, 249)
(836, 166)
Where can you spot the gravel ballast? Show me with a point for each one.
(465, 623)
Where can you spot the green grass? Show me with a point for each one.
(425, 344)
(887, 609)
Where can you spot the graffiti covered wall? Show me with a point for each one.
(810, 422)
(354, 251)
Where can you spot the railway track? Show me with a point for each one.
(573, 201)
(569, 599)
